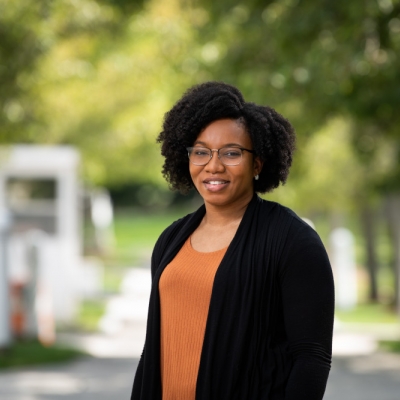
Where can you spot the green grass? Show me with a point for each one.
(32, 353)
(136, 233)
(390, 345)
(369, 313)
(90, 312)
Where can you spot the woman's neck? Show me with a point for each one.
(221, 216)
(218, 227)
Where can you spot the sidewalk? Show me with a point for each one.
(374, 376)
(123, 326)
(88, 378)
(359, 372)
(361, 339)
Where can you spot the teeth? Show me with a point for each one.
(216, 182)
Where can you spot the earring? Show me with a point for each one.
(256, 177)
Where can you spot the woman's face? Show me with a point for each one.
(225, 185)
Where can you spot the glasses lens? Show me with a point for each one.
(199, 155)
(230, 155)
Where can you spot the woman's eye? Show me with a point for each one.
(231, 153)
(200, 152)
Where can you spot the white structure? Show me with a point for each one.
(102, 217)
(5, 331)
(39, 188)
(344, 266)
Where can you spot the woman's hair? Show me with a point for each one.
(272, 135)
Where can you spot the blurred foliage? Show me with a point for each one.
(92, 74)
(317, 60)
(100, 74)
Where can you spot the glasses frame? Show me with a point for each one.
(189, 149)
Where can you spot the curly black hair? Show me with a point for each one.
(272, 136)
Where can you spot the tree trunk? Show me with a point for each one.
(368, 223)
(393, 218)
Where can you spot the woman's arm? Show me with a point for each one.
(308, 306)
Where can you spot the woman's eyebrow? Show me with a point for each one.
(225, 145)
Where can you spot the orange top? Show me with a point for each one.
(185, 293)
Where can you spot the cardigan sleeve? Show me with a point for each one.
(308, 311)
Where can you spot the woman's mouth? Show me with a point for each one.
(214, 185)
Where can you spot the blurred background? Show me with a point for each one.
(84, 85)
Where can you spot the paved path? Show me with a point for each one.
(368, 377)
(374, 376)
(359, 372)
(85, 379)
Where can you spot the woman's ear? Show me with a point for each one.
(258, 165)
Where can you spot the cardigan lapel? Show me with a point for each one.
(237, 318)
(176, 235)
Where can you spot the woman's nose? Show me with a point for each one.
(215, 164)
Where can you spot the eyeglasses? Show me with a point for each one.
(227, 155)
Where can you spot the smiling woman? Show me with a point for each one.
(241, 305)
(217, 180)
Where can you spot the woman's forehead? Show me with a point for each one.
(224, 132)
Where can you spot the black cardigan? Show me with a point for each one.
(269, 327)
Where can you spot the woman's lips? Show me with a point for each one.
(215, 185)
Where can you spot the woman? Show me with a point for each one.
(242, 295)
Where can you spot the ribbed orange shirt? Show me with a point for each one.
(185, 293)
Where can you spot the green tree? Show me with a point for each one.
(98, 75)
(29, 31)
(313, 60)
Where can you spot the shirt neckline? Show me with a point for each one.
(189, 246)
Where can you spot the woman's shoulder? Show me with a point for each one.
(178, 226)
(174, 227)
(285, 216)
(280, 211)
(298, 240)
(165, 239)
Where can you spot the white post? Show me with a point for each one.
(5, 328)
(30, 291)
(343, 260)
(102, 217)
